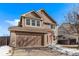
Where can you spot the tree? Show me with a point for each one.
(73, 19)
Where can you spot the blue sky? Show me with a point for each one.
(10, 13)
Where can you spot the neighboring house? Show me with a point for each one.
(67, 35)
(33, 30)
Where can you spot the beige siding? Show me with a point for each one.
(45, 18)
(23, 22)
(45, 40)
(45, 26)
(13, 39)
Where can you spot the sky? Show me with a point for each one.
(10, 13)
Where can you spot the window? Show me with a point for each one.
(52, 26)
(33, 22)
(49, 26)
(38, 23)
(28, 21)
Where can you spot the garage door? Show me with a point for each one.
(29, 40)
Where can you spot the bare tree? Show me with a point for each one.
(73, 19)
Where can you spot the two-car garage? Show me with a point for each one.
(22, 37)
(29, 39)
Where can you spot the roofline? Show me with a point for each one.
(31, 12)
(47, 15)
(23, 29)
(38, 15)
(28, 12)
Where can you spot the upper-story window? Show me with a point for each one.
(33, 22)
(49, 26)
(38, 23)
(52, 26)
(28, 21)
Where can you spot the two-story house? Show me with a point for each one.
(33, 30)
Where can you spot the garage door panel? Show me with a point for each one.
(24, 40)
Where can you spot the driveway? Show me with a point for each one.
(37, 52)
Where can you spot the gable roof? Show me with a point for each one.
(42, 12)
(31, 14)
(37, 15)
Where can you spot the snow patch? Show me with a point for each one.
(5, 50)
(67, 51)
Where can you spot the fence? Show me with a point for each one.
(4, 40)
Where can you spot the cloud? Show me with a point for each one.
(4, 31)
(13, 22)
(6, 24)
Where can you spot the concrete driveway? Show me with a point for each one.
(36, 52)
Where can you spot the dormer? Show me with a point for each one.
(31, 19)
